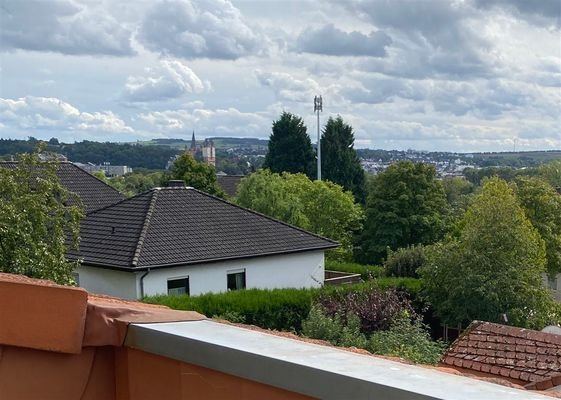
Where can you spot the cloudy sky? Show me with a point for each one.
(471, 75)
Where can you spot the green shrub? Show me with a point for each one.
(409, 339)
(320, 326)
(281, 309)
(366, 271)
(375, 307)
(405, 261)
(409, 286)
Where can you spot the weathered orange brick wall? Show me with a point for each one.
(144, 376)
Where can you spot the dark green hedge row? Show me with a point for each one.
(280, 309)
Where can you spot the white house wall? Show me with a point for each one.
(282, 271)
(106, 281)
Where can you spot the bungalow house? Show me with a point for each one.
(178, 240)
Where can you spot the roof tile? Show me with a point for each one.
(95, 194)
(519, 354)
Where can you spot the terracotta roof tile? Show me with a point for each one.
(514, 353)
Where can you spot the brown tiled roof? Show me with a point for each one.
(177, 225)
(520, 355)
(95, 194)
(229, 183)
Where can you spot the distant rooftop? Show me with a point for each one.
(524, 356)
(95, 194)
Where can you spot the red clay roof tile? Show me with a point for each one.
(514, 353)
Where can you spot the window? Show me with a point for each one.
(76, 277)
(236, 280)
(178, 286)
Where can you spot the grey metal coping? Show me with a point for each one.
(314, 370)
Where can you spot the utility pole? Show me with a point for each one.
(317, 108)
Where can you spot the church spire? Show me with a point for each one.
(193, 142)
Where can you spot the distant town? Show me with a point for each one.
(240, 156)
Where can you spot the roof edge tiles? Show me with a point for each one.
(144, 230)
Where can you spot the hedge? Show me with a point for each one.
(281, 309)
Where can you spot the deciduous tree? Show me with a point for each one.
(542, 205)
(320, 207)
(406, 205)
(195, 174)
(492, 271)
(39, 220)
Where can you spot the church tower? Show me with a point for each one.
(209, 152)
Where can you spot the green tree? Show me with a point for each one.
(290, 148)
(339, 162)
(36, 223)
(493, 270)
(542, 205)
(458, 192)
(195, 174)
(318, 206)
(551, 172)
(406, 205)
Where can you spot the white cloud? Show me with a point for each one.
(330, 40)
(172, 79)
(62, 26)
(219, 122)
(198, 29)
(27, 115)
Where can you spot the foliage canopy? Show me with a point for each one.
(542, 205)
(339, 161)
(318, 206)
(195, 174)
(290, 147)
(406, 205)
(492, 271)
(38, 219)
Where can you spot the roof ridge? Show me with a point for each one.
(265, 216)
(144, 229)
(123, 200)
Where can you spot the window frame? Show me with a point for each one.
(179, 278)
(236, 272)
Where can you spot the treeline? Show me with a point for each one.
(135, 156)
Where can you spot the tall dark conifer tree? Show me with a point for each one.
(290, 147)
(339, 162)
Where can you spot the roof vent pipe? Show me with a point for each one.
(176, 183)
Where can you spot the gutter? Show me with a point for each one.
(144, 275)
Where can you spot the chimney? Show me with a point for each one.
(176, 183)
